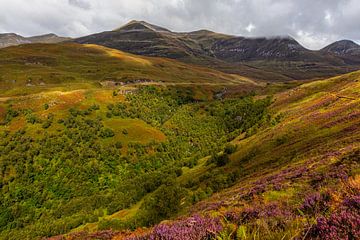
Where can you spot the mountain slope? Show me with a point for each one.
(347, 50)
(12, 39)
(35, 67)
(48, 38)
(343, 48)
(277, 58)
(144, 39)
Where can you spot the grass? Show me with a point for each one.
(135, 131)
(42, 67)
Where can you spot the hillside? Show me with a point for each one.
(37, 67)
(12, 39)
(297, 176)
(272, 59)
(98, 143)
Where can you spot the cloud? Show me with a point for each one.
(250, 27)
(313, 23)
(81, 4)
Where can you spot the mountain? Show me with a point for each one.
(347, 50)
(48, 38)
(343, 48)
(274, 58)
(12, 39)
(141, 38)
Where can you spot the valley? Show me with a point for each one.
(144, 133)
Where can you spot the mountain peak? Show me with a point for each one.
(48, 35)
(342, 47)
(136, 25)
(9, 35)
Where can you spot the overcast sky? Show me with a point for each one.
(314, 23)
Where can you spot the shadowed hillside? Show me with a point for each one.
(271, 59)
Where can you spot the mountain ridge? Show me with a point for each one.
(281, 56)
(13, 39)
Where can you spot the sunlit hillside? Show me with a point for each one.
(34, 68)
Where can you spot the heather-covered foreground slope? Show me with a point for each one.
(301, 176)
(297, 178)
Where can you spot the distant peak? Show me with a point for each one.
(202, 31)
(9, 35)
(342, 47)
(141, 25)
(346, 43)
(48, 35)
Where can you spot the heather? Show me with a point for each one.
(196, 227)
(344, 223)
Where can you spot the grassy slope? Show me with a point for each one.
(38, 67)
(281, 165)
(61, 102)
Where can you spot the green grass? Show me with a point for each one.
(136, 131)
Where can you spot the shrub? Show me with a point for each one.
(107, 133)
(315, 203)
(162, 204)
(219, 159)
(230, 148)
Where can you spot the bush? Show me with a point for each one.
(162, 204)
(107, 133)
(219, 159)
(230, 148)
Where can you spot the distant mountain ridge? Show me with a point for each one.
(12, 39)
(277, 58)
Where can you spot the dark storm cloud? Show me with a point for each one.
(313, 23)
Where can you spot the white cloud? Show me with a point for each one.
(328, 18)
(250, 27)
(320, 22)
